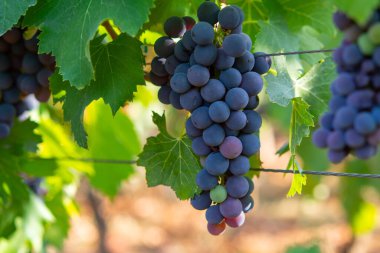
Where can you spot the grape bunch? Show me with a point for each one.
(352, 124)
(23, 72)
(211, 72)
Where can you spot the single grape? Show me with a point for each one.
(251, 144)
(237, 186)
(7, 113)
(30, 64)
(189, 22)
(32, 44)
(213, 91)
(158, 66)
(191, 130)
(11, 96)
(336, 102)
(254, 122)
(208, 12)
(237, 120)
(231, 78)
(245, 63)
(229, 18)
(341, 20)
(216, 229)
(164, 94)
(344, 117)
(203, 33)
(237, 98)
(214, 135)
(353, 139)
(182, 68)
(253, 103)
(213, 215)
(43, 77)
(365, 152)
(206, 181)
(365, 45)
(239, 166)
(200, 117)
(171, 64)
(198, 75)
(219, 111)
(231, 147)
(174, 27)
(199, 147)
(352, 55)
(164, 47)
(5, 130)
(231, 207)
(12, 36)
(364, 123)
(201, 201)
(205, 55)
(179, 83)
(156, 80)
(320, 138)
(374, 33)
(191, 100)
(216, 164)
(174, 99)
(252, 83)
(181, 53)
(344, 84)
(336, 156)
(361, 99)
(27, 84)
(262, 63)
(188, 42)
(218, 194)
(223, 61)
(335, 140)
(46, 59)
(236, 221)
(352, 33)
(234, 45)
(247, 203)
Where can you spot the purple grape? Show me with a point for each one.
(213, 215)
(216, 164)
(239, 166)
(231, 147)
(231, 207)
(206, 181)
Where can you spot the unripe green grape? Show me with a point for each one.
(374, 34)
(218, 194)
(365, 45)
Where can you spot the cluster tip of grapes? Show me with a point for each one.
(352, 124)
(211, 72)
(23, 73)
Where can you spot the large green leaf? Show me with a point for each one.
(68, 26)
(10, 12)
(119, 68)
(170, 161)
(357, 9)
(114, 139)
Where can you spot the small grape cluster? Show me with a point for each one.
(22, 72)
(211, 73)
(352, 124)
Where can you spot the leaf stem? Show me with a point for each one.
(106, 24)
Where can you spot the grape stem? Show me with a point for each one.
(106, 24)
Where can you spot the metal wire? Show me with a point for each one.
(304, 172)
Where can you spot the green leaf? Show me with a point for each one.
(314, 86)
(304, 249)
(300, 123)
(22, 138)
(315, 13)
(169, 161)
(39, 167)
(119, 69)
(10, 12)
(68, 26)
(298, 181)
(357, 9)
(113, 139)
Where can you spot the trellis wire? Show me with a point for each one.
(129, 162)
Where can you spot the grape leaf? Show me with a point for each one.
(169, 161)
(110, 138)
(357, 9)
(68, 25)
(10, 12)
(315, 13)
(300, 123)
(118, 67)
(298, 181)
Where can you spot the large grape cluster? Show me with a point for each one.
(22, 72)
(352, 124)
(211, 72)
